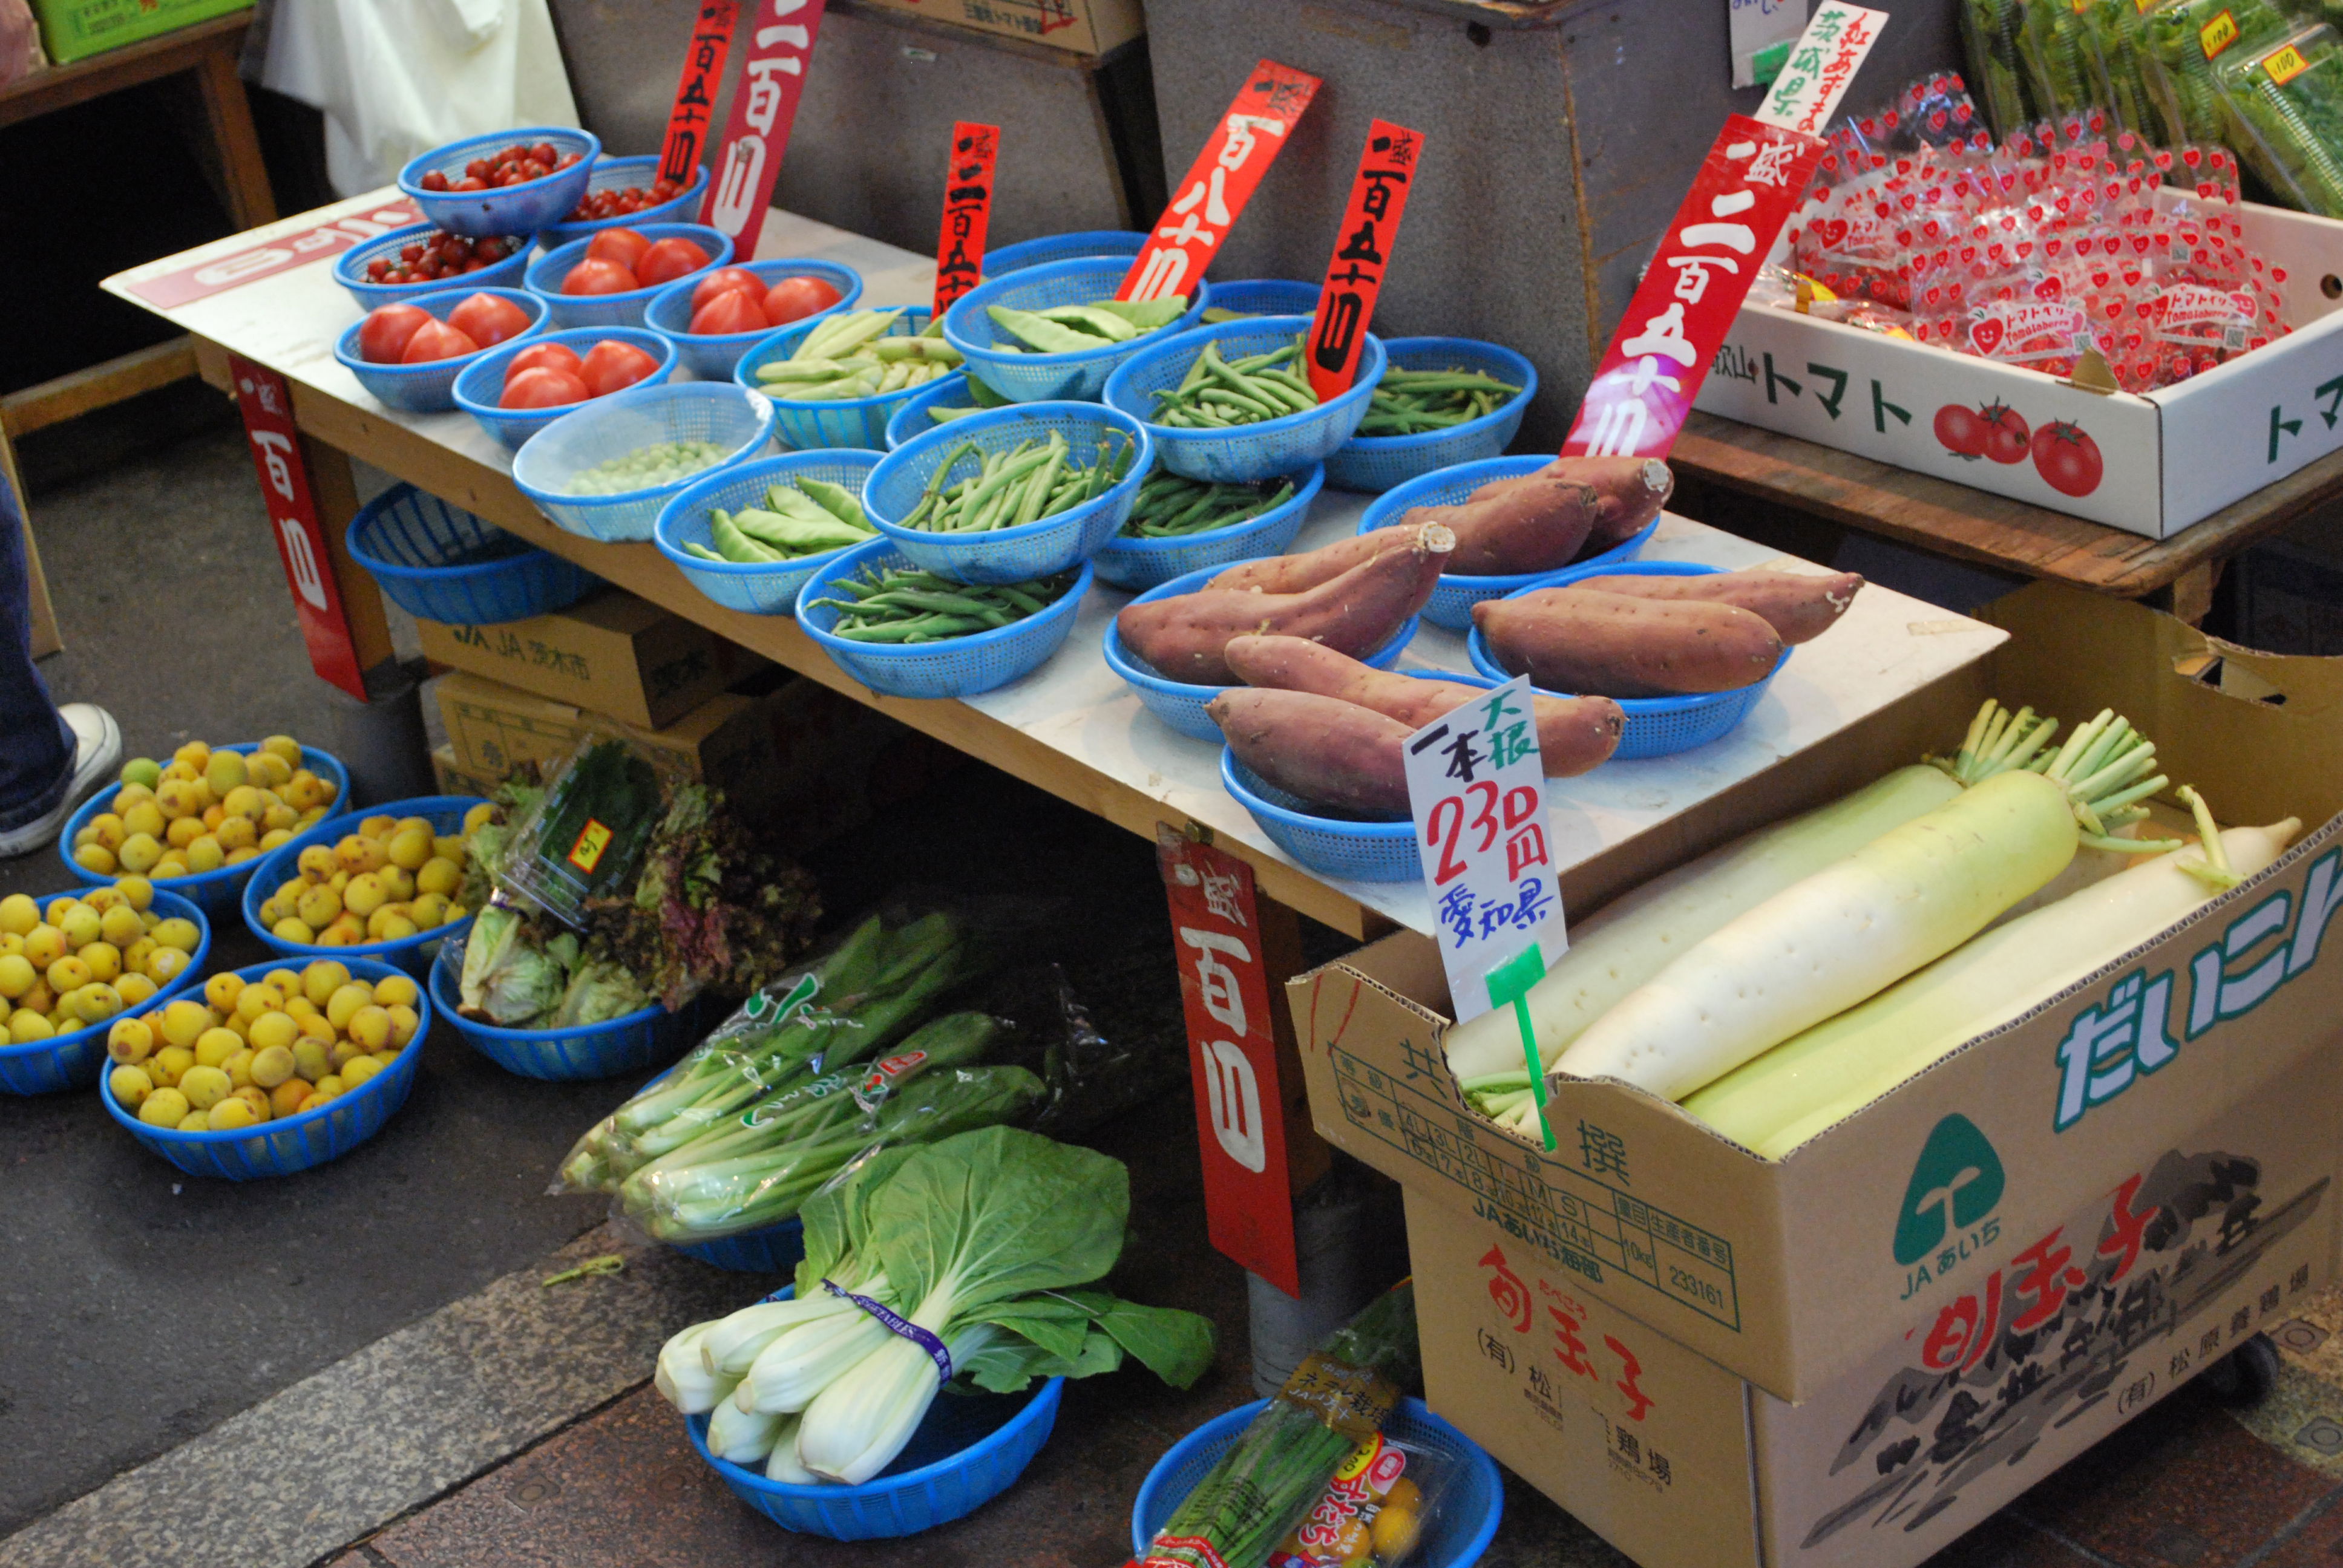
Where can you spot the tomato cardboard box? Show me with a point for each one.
(2149, 465)
(612, 653)
(76, 29)
(1794, 1273)
(1082, 27)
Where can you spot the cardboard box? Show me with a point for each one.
(1081, 26)
(2171, 457)
(613, 654)
(726, 741)
(448, 775)
(1790, 1272)
(76, 29)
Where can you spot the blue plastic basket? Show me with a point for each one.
(809, 425)
(1244, 451)
(430, 388)
(73, 1059)
(515, 209)
(215, 893)
(290, 1143)
(413, 954)
(625, 307)
(482, 383)
(1356, 849)
(617, 174)
(644, 1037)
(1266, 296)
(712, 356)
(623, 422)
(1035, 549)
(1656, 726)
(752, 589)
(1134, 563)
(1370, 464)
(1180, 703)
(770, 1250)
(349, 269)
(910, 419)
(1126, 243)
(1024, 378)
(1452, 601)
(962, 667)
(441, 563)
(1470, 1506)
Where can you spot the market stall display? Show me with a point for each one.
(720, 315)
(442, 563)
(605, 470)
(609, 279)
(408, 355)
(71, 962)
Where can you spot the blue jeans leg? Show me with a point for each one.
(36, 749)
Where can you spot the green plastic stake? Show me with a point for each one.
(1509, 985)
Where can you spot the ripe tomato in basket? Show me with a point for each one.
(599, 205)
(382, 336)
(439, 254)
(515, 165)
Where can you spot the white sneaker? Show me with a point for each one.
(97, 752)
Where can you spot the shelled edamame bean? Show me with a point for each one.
(854, 355)
(1172, 505)
(1410, 402)
(1221, 392)
(646, 467)
(1032, 480)
(903, 604)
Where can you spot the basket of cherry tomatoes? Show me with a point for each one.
(508, 181)
(421, 260)
(626, 191)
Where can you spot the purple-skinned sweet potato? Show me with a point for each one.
(1299, 574)
(1591, 643)
(1632, 490)
(1536, 525)
(1798, 607)
(1333, 753)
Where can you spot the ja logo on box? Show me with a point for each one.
(1956, 1182)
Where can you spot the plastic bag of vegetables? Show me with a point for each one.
(2287, 97)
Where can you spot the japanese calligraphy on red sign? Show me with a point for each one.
(1219, 182)
(968, 211)
(756, 131)
(695, 93)
(268, 406)
(169, 290)
(1354, 277)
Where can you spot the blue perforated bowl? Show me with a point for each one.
(641, 1039)
(712, 356)
(483, 382)
(1096, 241)
(810, 424)
(912, 418)
(215, 892)
(1456, 1535)
(413, 954)
(961, 667)
(1266, 296)
(1036, 550)
(441, 563)
(1452, 601)
(1656, 726)
(1353, 849)
(751, 589)
(623, 422)
(289, 1144)
(1370, 464)
(768, 1249)
(73, 1059)
(617, 174)
(1243, 451)
(349, 269)
(1136, 563)
(625, 307)
(515, 209)
(1079, 377)
(430, 388)
(1179, 703)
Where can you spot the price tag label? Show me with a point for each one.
(2217, 35)
(968, 211)
(267, 403)
(695, 94)
(1362, 246)
(1217, 186)
(756, 131)
(1821, 66)
(2285, 65)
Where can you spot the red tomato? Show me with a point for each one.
(736, 310)
(544, 357)
(1961, 431)
(488, 321)
(2006, 433)
(594, 275)
(382, 336)
(623, 246)
(795, 298)
(724, 280)
(669, 259)
(437, 340)
(2067, 459)
(538, 387)
(613, 367)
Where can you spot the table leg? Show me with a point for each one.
(333, 486)
(1308, 1157)
(2190, 595)
(229, 111)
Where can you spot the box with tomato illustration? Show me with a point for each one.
(2151, 465)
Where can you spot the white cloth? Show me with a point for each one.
(396, 78)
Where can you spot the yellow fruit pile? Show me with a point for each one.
(246, 1054)
(203, 810)
(388, 880)
(84, 957)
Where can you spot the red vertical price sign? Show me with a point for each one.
(756, 131)
(968, 212)
(1232, 1057)
(1219, 182)
(1362, 247)
(695, 94)
(268, 406)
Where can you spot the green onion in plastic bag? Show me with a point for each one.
(2288, 97)
(1989, 38)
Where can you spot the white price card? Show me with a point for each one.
(1822, 63)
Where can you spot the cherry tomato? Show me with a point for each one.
(544, 357)
(437, 340)
(538, 387)
(724, 280)
(433, 180)
(469, 183)
(1961, 431)
(623, 246)
(2067, 459)
(597, 277)
(795, 298)
(669, 259)
(2006, 433)
(613, 367)
(382, 336)
(734, 310)
(488, 321)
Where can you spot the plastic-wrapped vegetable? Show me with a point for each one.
(2184, 37)
(2117, 30)
(1989, 37)
(2056, 46)
(2287, 96)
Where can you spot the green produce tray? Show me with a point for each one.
(76, 29)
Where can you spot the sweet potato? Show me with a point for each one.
(1534, 526)
(1632, 491)
(1799, 608)
(1575, 733)
(1299, 574)
(1354, 613)
(1586, 641)
(1328, 751)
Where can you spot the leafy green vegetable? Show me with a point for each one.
(1989, 39)
(588, 835)
(2288, 94)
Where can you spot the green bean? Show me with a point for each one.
(1035, 479)
(1171, 505)
(906, 605)
(1216, 393)
(1409, 402)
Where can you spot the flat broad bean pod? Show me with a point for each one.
(851, 355)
